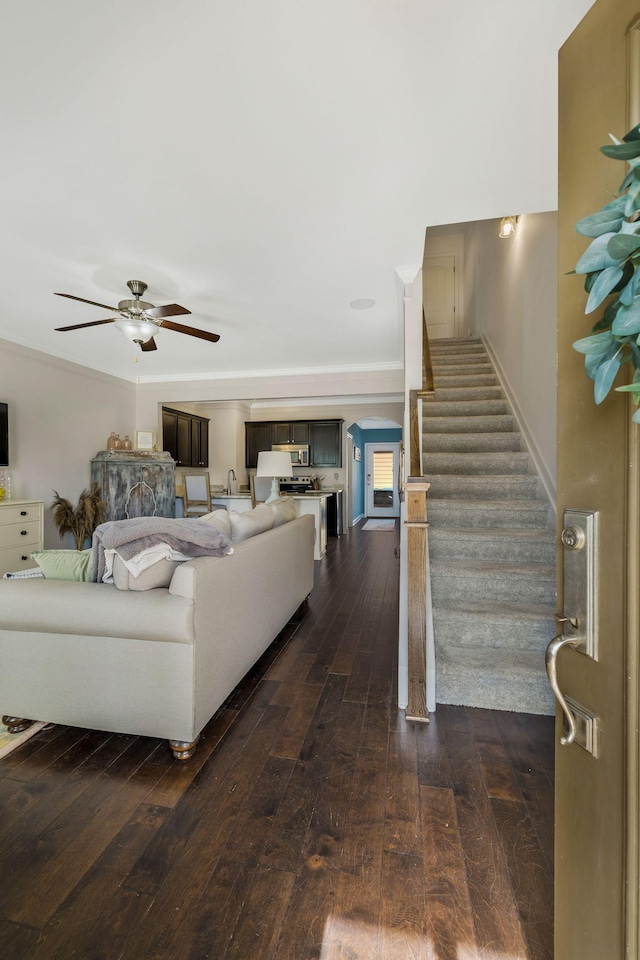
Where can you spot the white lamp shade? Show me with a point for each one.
(274, 463)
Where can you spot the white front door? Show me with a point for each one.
(382, 463)
(439, 283)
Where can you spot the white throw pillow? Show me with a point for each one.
(284, 510)
(220, 520)
(157, 575)
(250, 523)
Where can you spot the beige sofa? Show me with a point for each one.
(157, 663)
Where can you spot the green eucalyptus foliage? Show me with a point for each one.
(611, 268)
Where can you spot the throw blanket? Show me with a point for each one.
(130, 538)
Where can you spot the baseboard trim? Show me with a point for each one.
(548, 481)
(361, 516)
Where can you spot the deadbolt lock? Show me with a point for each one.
(573, 538)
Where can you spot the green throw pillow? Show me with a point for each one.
(64, 564)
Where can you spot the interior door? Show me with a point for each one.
(440, 296)
(382, 464)
(596, 860)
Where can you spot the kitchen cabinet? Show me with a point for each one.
(21, 532)
(186, 437)
(257, 439)
(134, 483)
(295, 432)
(199, 442)
(325, 440)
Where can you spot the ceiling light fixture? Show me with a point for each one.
(508, 227)
(363, 303)
(138, 331)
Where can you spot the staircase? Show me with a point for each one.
(491, 541)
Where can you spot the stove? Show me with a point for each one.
(295, 484)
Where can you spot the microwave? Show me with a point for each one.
(299, 452)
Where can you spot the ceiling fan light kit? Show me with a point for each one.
(140, 321)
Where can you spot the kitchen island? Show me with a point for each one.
(314, 503)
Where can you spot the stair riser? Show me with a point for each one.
(467, 380)
(504, 589)
(478, 463)
(445, 393)
(447, 353)
(446, 368)
(461, 408)
(456, 514)
(508, 551)
(484, 632)
(483, 488)
(470, 442)
(492, 424)
(525, 696)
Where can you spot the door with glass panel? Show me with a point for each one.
(382, 462)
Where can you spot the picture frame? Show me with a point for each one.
(357, 453)
(145, 440)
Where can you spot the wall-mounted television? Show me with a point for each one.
(4, 435)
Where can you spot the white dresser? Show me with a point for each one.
(21, 532)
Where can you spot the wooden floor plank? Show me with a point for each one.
(403, 922)
(402, 814)
(450, 928)
(495, 914)
(531, 878)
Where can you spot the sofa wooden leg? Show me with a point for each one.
(16, 724)
(183, 749)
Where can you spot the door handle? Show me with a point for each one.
(562, 640)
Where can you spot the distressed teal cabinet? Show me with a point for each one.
(134, 483)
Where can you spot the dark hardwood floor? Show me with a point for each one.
(312, 822)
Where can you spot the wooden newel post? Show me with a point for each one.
(416, 523)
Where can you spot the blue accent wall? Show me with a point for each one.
(360, 437)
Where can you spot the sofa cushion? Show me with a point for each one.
(157, 575)
(220, 520)
(64, 564)
(283, 509)
(251, 523)
(94, 610)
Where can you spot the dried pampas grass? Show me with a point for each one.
(82, 520)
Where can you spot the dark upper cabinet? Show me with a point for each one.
(199, 442)
(185, 437)
(257, 438)
(295, 432)
(325, 438)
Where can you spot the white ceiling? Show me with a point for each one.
(262, 162)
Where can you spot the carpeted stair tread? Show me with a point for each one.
(476, 585)
(484, 543)
(468, 678)
(483, 623)
(465, 424)
(476, 462)
(463, 408)
(445, 393)
(445, 367)
(467, 380)
(471, 442)
(484, 487)
(488, 513)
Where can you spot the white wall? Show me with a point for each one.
(515, 310)
(60, 415)
(510, 299)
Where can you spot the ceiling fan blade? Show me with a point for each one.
(169, 310)
(191, 331)
(77, 326)
(149, 345)
(70, 296)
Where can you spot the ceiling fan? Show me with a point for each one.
(138, 320)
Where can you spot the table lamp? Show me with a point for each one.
(274, 464)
